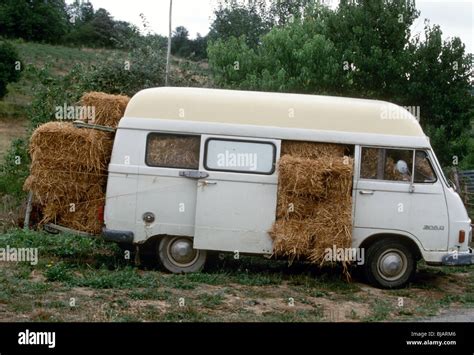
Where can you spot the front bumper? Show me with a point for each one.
(456, 258)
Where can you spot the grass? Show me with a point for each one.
(36, 55)
(107, 288)
(381, 311)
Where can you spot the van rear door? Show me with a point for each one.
(236, 202)
(166, 198)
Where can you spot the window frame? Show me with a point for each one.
(387, 148)
(150, 134)
(206, 146)
(431, 166)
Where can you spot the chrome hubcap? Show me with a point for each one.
(181, 252)
(392, 264)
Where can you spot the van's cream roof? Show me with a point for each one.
(313, 112)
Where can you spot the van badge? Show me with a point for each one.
(433, 228)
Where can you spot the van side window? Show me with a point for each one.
(173, 151)
(240, 156)
(387, 164)
(424, 172)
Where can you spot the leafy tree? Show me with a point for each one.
(183, 46)
(97, 28)
(199, 47)
(440, 82)
(180, 42)
(35, 20)
(362, 49)
(9, 70)
(371, 37)
(282, 12)
(142, 67)
(80, 12)
(240, 19)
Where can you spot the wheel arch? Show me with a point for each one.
(406, 240)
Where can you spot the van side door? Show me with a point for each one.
(236, 203)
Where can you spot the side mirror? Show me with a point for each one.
(452, 184)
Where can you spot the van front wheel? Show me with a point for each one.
(177, 255)
(389, 264)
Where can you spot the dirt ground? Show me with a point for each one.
(11, 129)
(221, 295)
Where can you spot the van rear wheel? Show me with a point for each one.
(177, 255)
(389, 264)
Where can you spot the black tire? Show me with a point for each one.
(389, 264)
(189, 261)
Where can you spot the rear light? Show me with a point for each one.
(100, 213)
(462, 236)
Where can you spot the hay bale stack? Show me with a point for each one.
(109, 109)
(68, 173)
(314, 210)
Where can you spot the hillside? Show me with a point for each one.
(60, 59)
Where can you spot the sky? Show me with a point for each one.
(456, 17)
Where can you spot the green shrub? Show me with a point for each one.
(9, 66)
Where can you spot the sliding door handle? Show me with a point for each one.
(193, 174)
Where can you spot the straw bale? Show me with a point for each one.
(423, 170)
(182, 152)
(303, 176)
(328, 224)
(369, 163)
(311, 150)
(61, 145)
(109, 109)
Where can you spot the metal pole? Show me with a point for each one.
(169, 46)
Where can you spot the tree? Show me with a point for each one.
(440, 83)
(9, 66)
(180, 42)
(97, 28)
(282, 12)
(371, 37)
(363, 49)
(199, 47)
(240, 19)
(35, 20)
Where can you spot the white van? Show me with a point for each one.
(167, 181)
